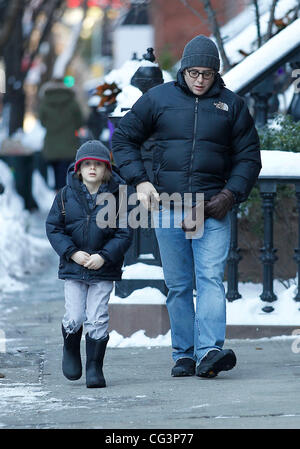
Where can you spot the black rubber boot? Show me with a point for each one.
(95, 351)
(71, 362)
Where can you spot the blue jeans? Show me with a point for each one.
(195, 329)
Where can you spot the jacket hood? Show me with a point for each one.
(56, 92)
(215, 89)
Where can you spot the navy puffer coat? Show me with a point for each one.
(78, 230)
(199, 143)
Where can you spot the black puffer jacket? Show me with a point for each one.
(78, 230)
(200, 143)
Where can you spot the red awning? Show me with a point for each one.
(101, 3)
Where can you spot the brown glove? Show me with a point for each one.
(219, 204)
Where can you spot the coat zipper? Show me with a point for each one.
(194, 142)
(87, 241)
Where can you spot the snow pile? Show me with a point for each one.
(20, 252)
(142, 271)
(147, 295)
(41, 193)
(280, 163)
(22, 142)
(138, 339)
(35, 138)
(125, 100)
(248, 309)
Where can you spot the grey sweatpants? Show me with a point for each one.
(87, 303)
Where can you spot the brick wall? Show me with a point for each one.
(175, 24)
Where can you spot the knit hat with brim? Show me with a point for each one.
(95, 150)
(200, 52)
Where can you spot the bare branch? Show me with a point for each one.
(271, 19)
(50, 14)
(257, 19)
(216, 32)
(67, 55)
(194, 11)
(9, 21)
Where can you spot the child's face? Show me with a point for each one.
(92, 171)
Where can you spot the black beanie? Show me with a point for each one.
(93, 149)
(200, 52)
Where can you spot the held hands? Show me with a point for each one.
(147, 194)
(80, 257)
(92, 262)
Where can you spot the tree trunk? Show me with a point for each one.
(67, 55)
(10, 12)
(14, 98)
(271, 19)
(257, 19)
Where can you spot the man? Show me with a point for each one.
(205, 142)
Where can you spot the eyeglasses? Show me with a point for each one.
(207, 75)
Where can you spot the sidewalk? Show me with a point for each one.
(262, 391)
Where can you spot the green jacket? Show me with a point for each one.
(61, 116)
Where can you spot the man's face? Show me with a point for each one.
(199, 79)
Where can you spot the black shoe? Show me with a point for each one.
(95, 351)
(71, 362)
(216, 361)
(184, 367)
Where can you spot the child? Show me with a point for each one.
(91, 258)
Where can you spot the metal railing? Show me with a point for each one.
(268, 192)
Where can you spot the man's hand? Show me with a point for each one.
(80, 257)
(95, 262)
(147, 194)
(219, 204)
(194, 219)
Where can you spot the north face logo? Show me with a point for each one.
(222, 106)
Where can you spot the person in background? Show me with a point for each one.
(61, 116)
(97, 120)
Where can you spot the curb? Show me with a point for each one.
(127, 319)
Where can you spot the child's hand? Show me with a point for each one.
(95, 262)
(80, 257)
